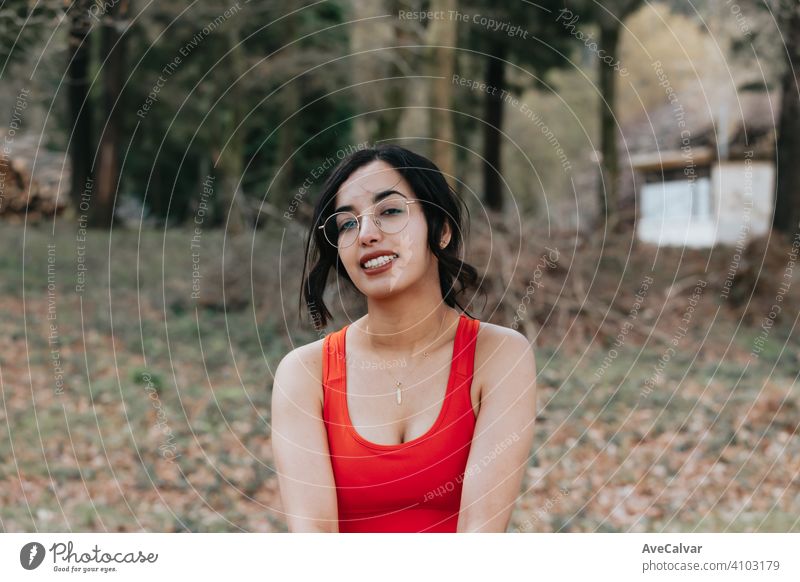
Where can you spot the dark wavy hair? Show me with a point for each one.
(441, 205)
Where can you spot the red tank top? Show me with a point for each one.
(409, 487)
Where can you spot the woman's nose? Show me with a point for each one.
(368, 230)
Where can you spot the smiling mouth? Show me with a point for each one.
(378, 262)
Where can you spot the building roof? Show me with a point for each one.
(748, 122)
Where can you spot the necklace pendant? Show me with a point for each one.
(398, 394)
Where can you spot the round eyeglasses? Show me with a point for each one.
(389, 215)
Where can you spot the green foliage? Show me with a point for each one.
(212, 80)
(147, 378)
(542, 49)
(22, 25)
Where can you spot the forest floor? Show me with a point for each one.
(132, 405)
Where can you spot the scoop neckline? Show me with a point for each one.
(436, 423)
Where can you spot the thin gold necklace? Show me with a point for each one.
(398, 385)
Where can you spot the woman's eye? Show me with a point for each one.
(347, 225)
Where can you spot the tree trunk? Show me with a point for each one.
(112, 45)
(608, 187)
(281, 192)
(394, 92)
(80, 108)
(366, 35)
(787, 198)
(231, 161)
(290, 101)
(493, 120)
(443, 34)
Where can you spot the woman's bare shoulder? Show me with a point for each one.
(495, 345)
(492, 337)
(300, 371)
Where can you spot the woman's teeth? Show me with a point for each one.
(379, 261)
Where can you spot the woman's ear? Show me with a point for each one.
(445, 240)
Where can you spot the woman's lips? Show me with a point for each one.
(381, 269)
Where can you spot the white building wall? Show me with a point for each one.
(744, 193)
(735, 203)
(676, 213)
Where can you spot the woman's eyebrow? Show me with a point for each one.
(375, 198)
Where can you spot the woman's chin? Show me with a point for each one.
(382, 287)
(384, 290)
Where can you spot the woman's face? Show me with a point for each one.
(381, 263)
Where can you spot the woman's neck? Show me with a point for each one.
(410, 330)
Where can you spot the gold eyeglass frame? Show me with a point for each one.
(358, 221)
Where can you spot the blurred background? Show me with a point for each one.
(632, 170)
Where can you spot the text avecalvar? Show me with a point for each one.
(671, 549)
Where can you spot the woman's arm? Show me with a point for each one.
(300, 444)
(503, 434)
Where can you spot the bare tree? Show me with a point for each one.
(545, 41)
(609, 17)
(230, 161)
(787, 195)
(112, 43)
(81, 144)
(443, 34)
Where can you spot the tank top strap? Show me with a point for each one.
(464, 349)
(333, 360)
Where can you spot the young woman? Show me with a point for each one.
(414, 417)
